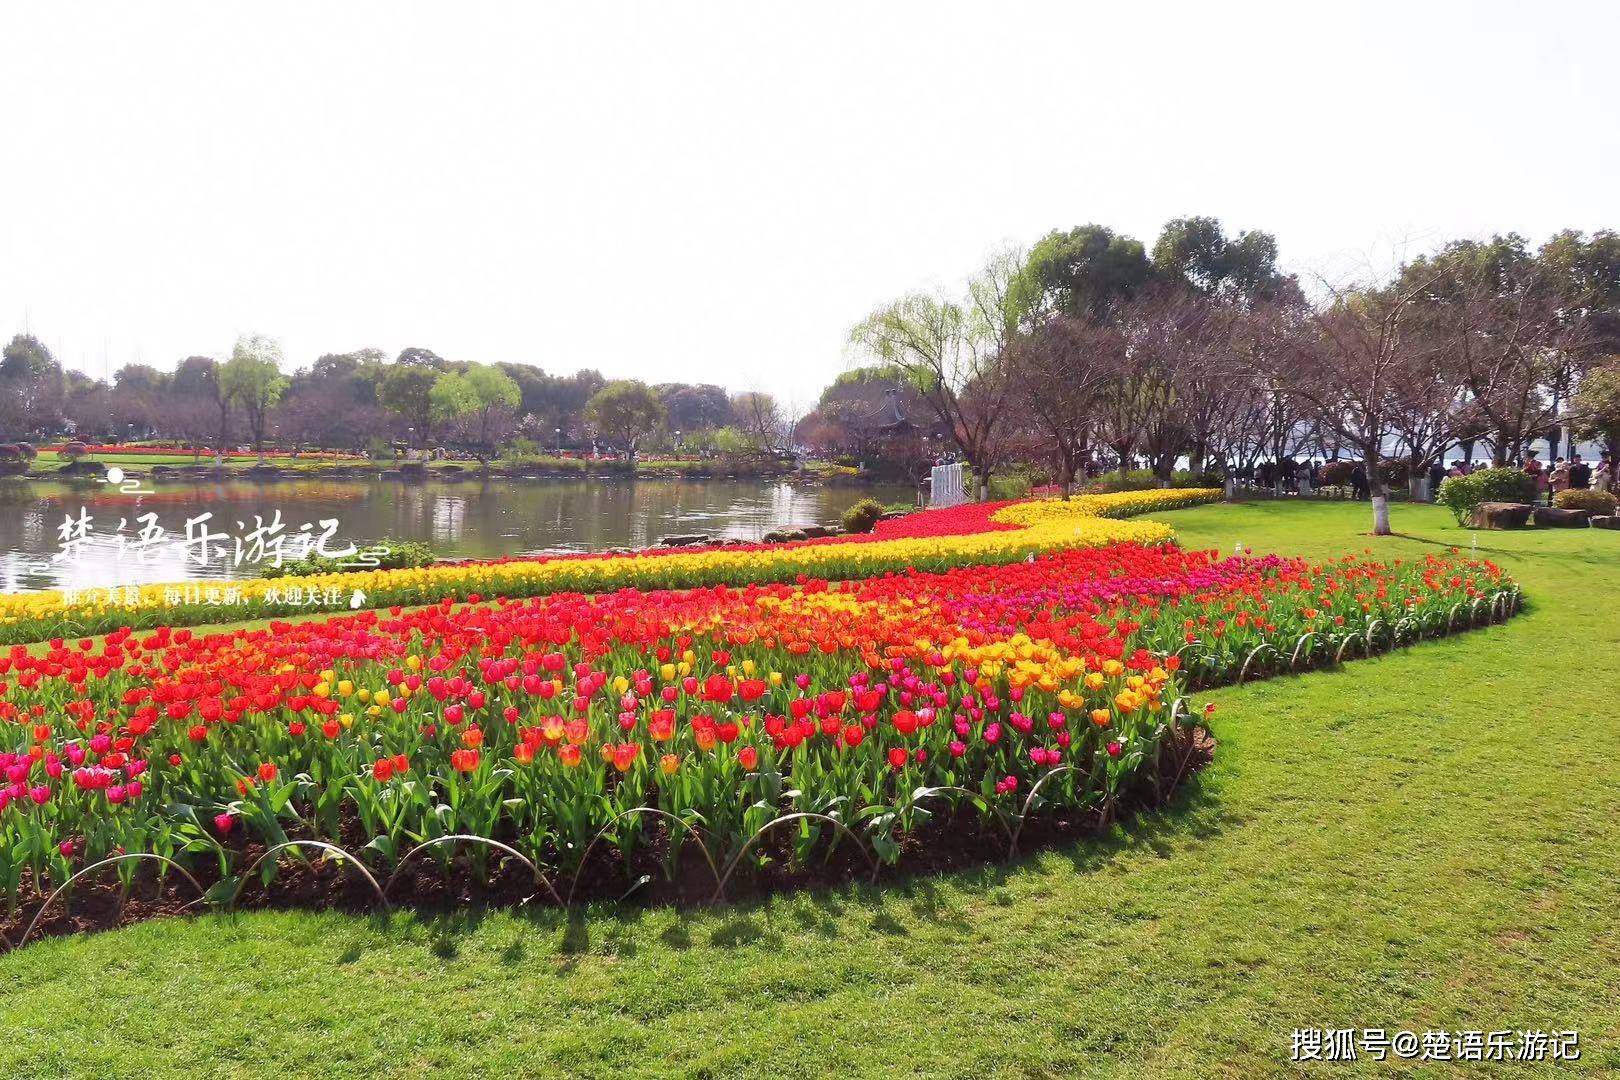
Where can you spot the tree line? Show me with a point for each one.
(1199, 349)
(352, 401)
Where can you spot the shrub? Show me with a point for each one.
(1395, 472)
(1339, 473)
(1460, 494)
(1002, 488)
(73, 451)
(520, 450)
(379, 449)
(863, 516)
(401, 555)
(1506, 485)
(1597, 502)
(1135, 480)
(1147, 480)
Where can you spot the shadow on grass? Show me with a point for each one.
(892, 907)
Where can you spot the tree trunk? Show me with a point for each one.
(1380, 506)
(1067, 470)
(224, 430)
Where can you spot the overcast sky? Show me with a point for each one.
(716, 192)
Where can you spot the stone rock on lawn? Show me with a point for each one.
(1606, 521)
(1501, 515)
(783, 536)
(815, 532)
(1552, 517)
(683, 540)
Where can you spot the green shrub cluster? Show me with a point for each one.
(1147, 480)
(1596, 502)
(1460, 494)
(401, 554)
(863, 516)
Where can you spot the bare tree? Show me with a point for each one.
(1514, 330)
(1346, 363)
(189, 416)
(1057, 374)
(1172, 372)
(760, 419)
(1429, 408)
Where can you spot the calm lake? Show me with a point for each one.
(470, 519)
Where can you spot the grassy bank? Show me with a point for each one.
(50, 465)
(1425, 840)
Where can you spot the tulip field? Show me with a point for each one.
(965, 672)
(982, 533)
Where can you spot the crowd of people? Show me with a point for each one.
(1572, 474)
(1564, 474)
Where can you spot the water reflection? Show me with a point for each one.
(469, 519)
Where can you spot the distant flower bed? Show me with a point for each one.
(106, 449)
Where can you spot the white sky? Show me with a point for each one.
(717, 192)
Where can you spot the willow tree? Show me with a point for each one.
(954, 352)
(252, 379)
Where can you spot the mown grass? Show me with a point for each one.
(1422, 840)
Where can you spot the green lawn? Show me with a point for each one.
(1428, 839)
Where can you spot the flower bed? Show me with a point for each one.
(641, 734)
(983, 533)
(142, 450)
